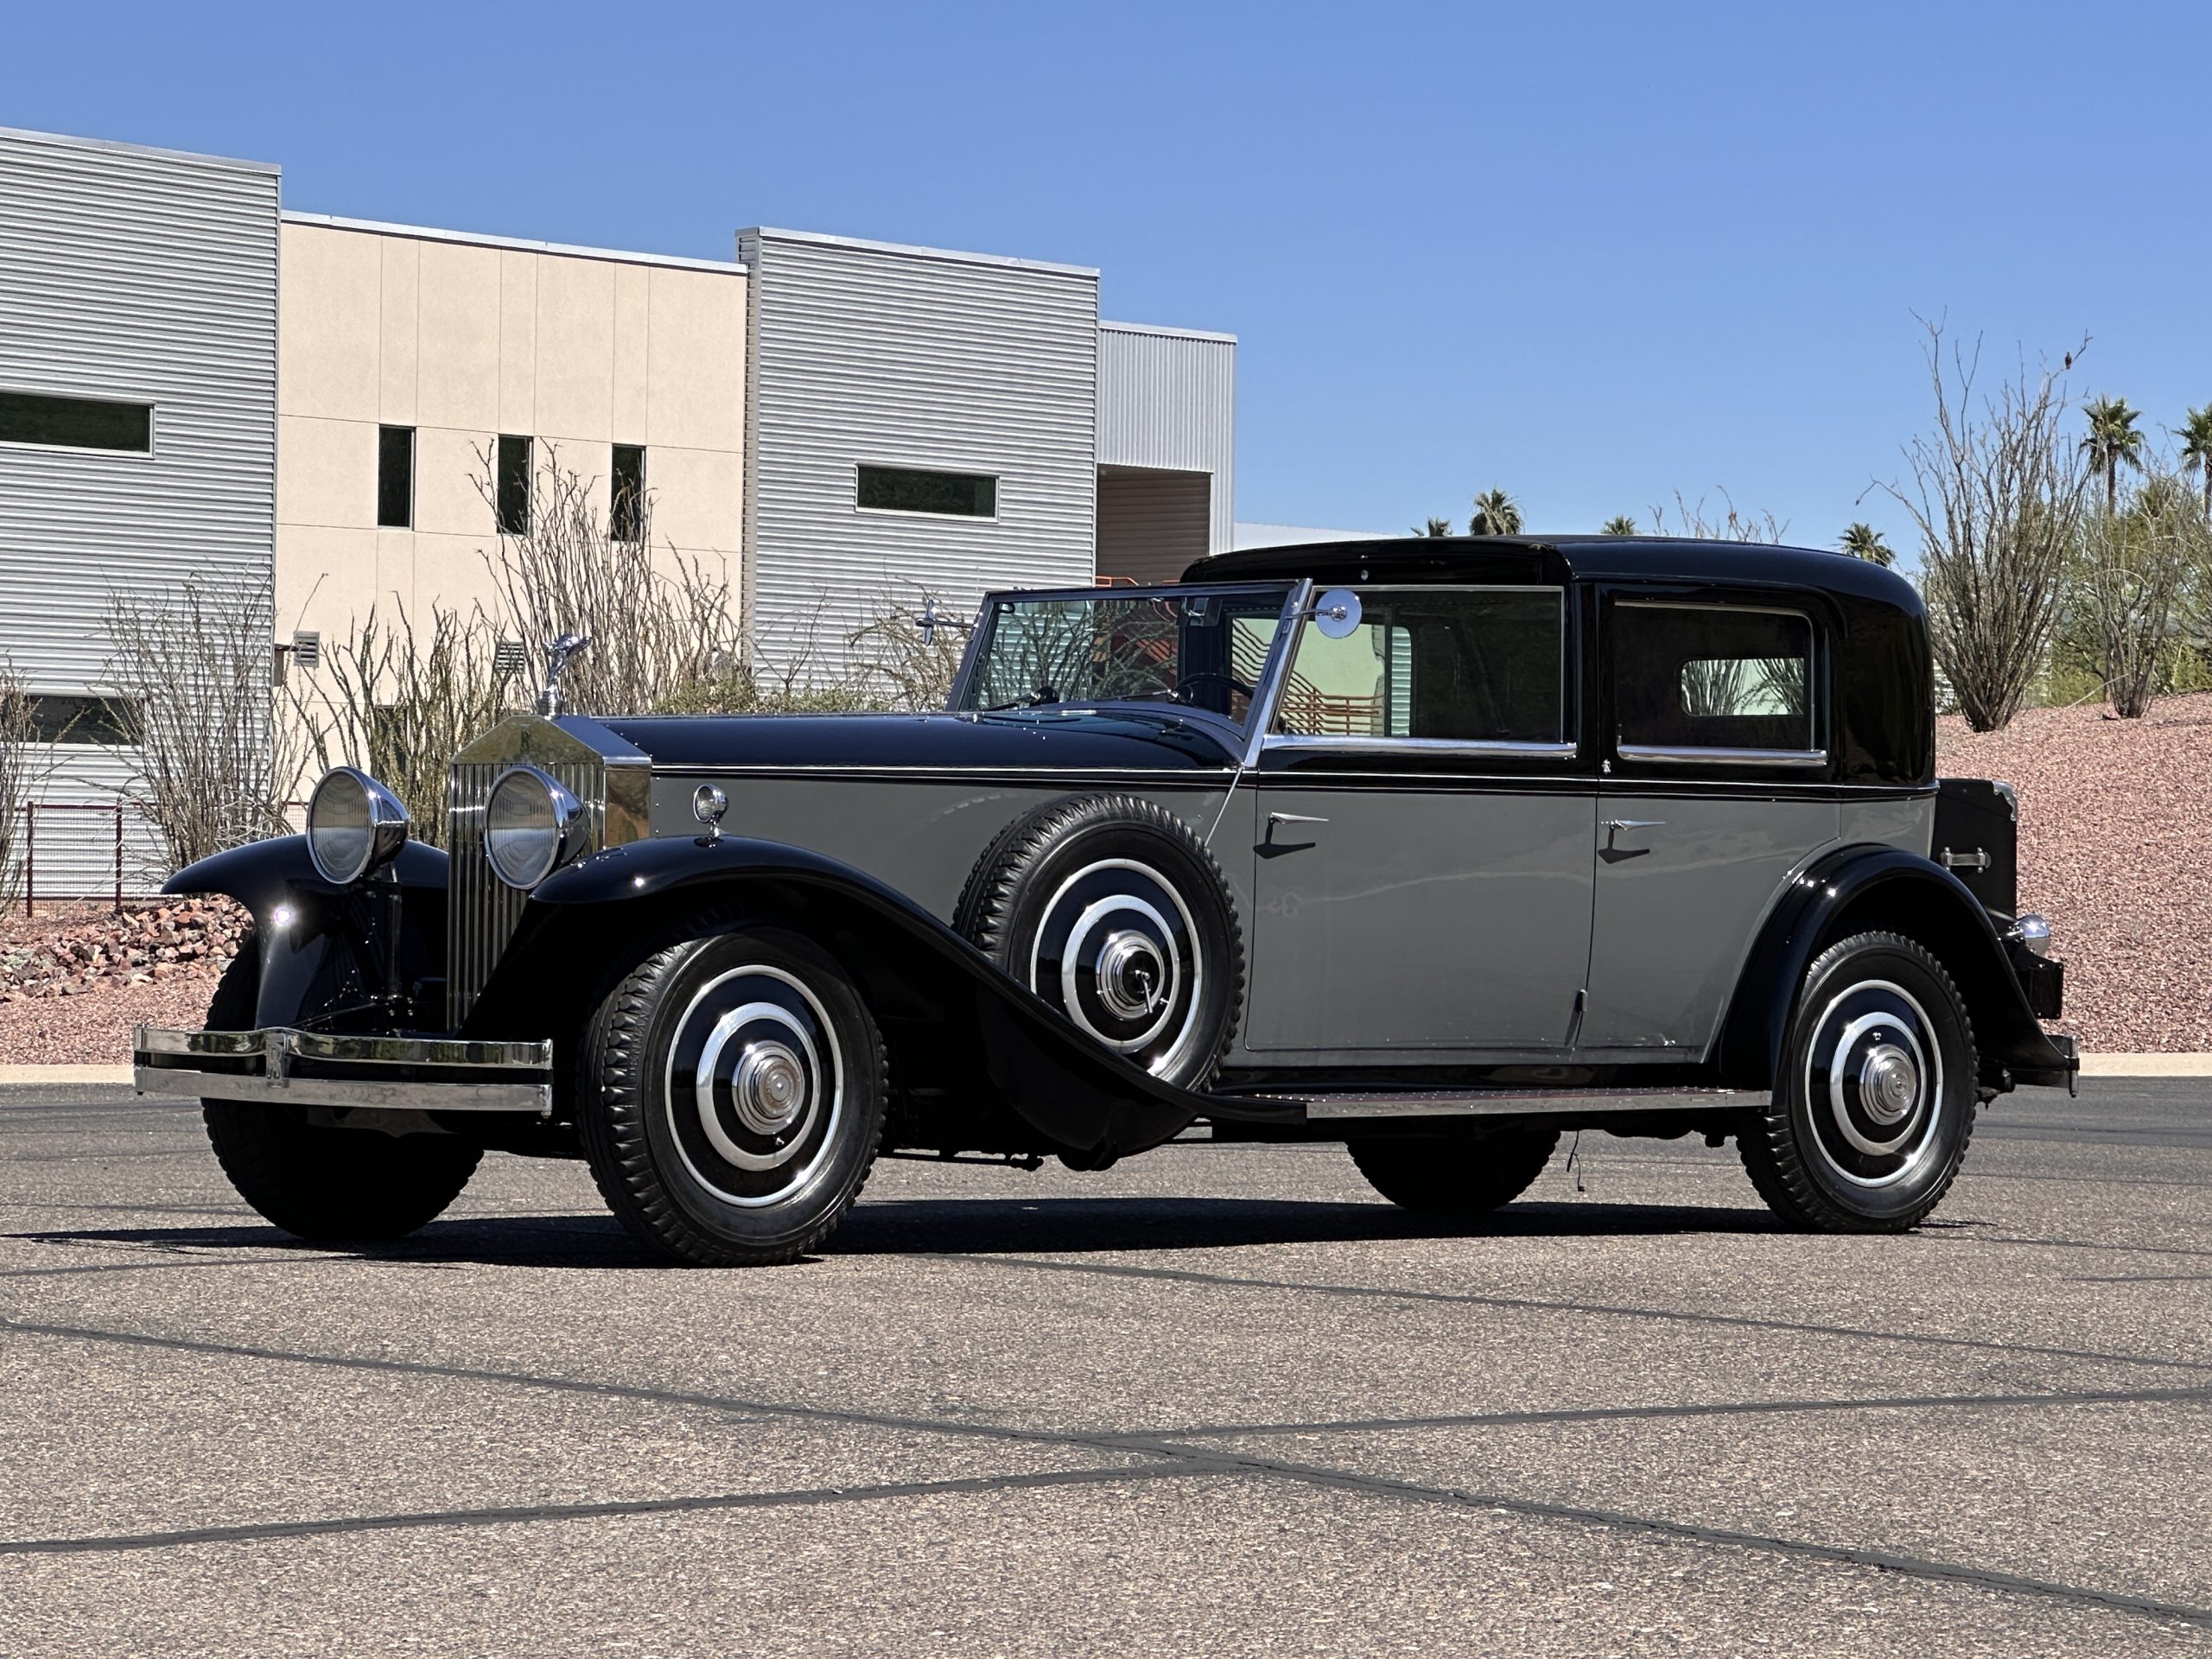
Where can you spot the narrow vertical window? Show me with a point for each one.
(627, 521)
(396, 477)
(514, 485)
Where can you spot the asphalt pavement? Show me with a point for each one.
(1220, 1400)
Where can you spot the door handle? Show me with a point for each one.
(1613, 855)
(1269, 846)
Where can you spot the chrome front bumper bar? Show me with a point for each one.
(282, 1066)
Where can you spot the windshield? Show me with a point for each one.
(1193, 648)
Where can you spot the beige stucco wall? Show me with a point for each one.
(465, 340)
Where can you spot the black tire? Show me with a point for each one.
(1875, 1103)
(1459, 1176)
(761, 1166)
(326, 1185)
(1111, 910)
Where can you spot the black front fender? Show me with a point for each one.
(964, 1039)
(1868, 888)
(326, 952)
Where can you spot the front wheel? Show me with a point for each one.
(323, 1184)
(732, 1098)
(1875, 1100)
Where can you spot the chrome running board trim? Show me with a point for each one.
(1513, 1102)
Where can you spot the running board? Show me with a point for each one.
(1512, 1103)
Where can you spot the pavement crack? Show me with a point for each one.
(518, 1515)
(1540, 1304)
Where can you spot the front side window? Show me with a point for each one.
(76, 422)
(1689, 677)
(1467, 665)
(1201, 649)
(514, 485)
(914, 489)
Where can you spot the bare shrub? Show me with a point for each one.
(190, 667)
(659, 639)
(397, 703)
(1734, 525)
(20, 772)
(2127, 582)
(1997, 493)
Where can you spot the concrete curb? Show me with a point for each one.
(2146, 1065)
(104, 1076)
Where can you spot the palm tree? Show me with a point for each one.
(1496, 514)
(1435, 527)
(1619, 524)
(2114, 441)
(2196, 436)
(1865, 542)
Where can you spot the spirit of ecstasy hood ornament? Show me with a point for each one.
(557, 653)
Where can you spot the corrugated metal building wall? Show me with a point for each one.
(1167, 401)
(868, 352)
(146, 276)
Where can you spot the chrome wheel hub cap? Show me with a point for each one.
(1889, 1083)
(769, 1088)
(1131, 977)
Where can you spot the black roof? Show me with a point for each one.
(1556, 558)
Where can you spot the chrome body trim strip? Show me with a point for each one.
(1445, 746)
(1500, 1103)
(1690, 756)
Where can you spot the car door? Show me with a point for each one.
(1421, 823)
(1714, 792)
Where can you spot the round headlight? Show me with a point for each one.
(531, 826)
(354, 825)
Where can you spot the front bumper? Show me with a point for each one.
(282, 1066)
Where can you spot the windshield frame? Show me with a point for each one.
(1259, 709)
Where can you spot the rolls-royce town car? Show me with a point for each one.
(1438, 848)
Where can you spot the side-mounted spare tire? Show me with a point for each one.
(1112, 910)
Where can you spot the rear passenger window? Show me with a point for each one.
(1703, 678)
(1470, 665)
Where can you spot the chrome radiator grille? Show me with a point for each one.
(482, 911)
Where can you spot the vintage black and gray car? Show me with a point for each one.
(1438, 848)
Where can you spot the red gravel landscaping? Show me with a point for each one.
(2116, 850)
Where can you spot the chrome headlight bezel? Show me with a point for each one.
(380, 825)
(559, 818)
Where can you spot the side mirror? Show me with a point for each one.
(1336, 614)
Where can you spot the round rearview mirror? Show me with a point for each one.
(1337, 613)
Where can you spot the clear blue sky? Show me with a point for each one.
(1593, 254)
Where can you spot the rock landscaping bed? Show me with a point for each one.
(75, 979)
(2116, 850)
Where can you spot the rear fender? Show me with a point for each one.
(959, 1031)
(326, 952)
(1874, 888)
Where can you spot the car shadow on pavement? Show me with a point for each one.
(1014, 1226)
(931, 1227)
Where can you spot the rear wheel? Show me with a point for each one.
(1462, 1176)
(732, 1098)
(327, 1186)
(1875, 1103)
